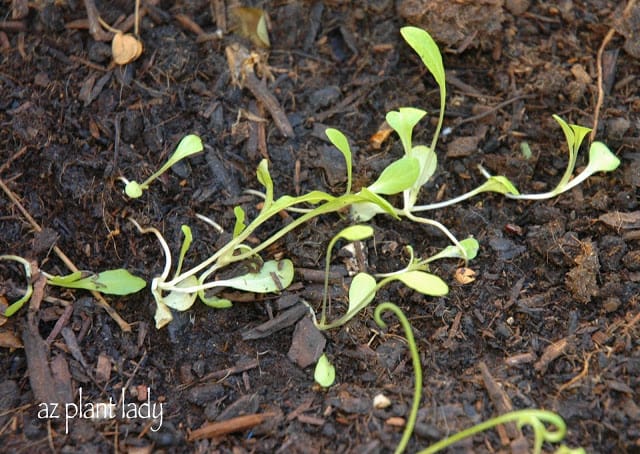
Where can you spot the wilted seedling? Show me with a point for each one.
(111, 282)
(188, 146)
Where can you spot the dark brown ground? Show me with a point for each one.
(552, 319)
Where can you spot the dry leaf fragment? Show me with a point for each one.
(380, 136)
(252, 24)
(125, 48)
(465, 275)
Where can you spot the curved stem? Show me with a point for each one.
(417, 368)
(533, 417)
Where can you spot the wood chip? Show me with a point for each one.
(218, 429)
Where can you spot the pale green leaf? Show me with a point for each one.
(186, 243)
(428, 163)
(499, 184)
(470, 248)
(133, 189)
(355, 233)
(188, 146)
(361, 292)
(398, 176)
(262, 32)
(367, 196)
(342, 144)
(365, 211)
(182, 301)
(574, 135)
(239, 225)
(214, 301)
(274, 276)
(402, 121)
(427, 49)
(265, 180)
(423, 282)
(111, 282)
(324, 373)
(601, 159)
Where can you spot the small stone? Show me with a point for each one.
(380, 401)
(517, 7)
(617, 127)
(307, 343)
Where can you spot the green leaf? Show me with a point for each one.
(16, 305)
(361, 293)
(324, 373)
(601, 159)
(574, 135)
(265, 180)
(188, 146)
(186, 243)
(133, 189)
(182, 301)
(342, 144)
(214, 301)
(470, 246)
(112, 282)
(274, 276)
(423, 282)
(398, 176)
(240, 225)
(499, 184)
(365, 211)
(354, 233)
(428, 163)
(367, 196)
(402, 121)
(427, 49)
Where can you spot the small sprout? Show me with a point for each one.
(324, 373)
(188, 146)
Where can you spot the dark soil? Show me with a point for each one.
(552, 320)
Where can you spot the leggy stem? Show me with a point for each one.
(417, 368)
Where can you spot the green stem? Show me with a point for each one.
(417, 368)
(533, 417)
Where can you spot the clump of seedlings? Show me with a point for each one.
(405, 176)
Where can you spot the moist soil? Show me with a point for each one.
(551, 321)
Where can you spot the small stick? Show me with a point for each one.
(220, 428)
(600, 100)
(100, 301)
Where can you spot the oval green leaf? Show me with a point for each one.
(324, 373)
(423, 282)
(397, 177)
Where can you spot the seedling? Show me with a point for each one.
(531, 417)
(188, 146)
(364, 286)
(324, 373)
(111, 282)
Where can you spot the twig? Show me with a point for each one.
(600, 100)
(100, 301)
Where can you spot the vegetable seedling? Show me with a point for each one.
(188, 146)
(110, 282)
